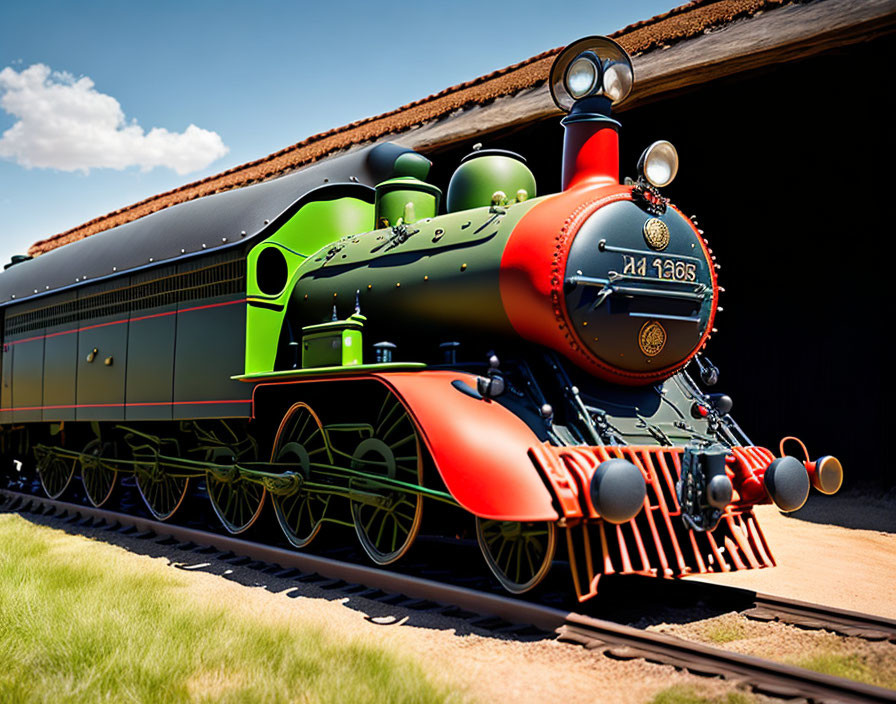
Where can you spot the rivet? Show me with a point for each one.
(369, 286)
(46, 288)
(242, 233)
(35, 290)
(183, 251)
(335, 294)
(203, 245)
(326, 180)
(114, 268)
(397, 284)
(306, 296)
(463, 267)
(426, 278)
(584, 323)
(150, 259)
(266, 222)
(223, 239)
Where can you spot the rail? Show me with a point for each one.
(619, 640)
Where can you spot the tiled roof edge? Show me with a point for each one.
(677, 24)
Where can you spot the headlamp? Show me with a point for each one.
(659, 163)
(583, 75)
(594, 66)
(618, 81)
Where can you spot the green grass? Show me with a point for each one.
(725, 630)
(82, 621)
(848, 666)
(680, 694)
(853, 667)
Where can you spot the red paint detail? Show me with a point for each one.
(123, 405)
(480, 448)
(749, 467)
(656, 542)
(533, 269)
(534, 262)
(125, 320)
(703, 411)
(485, 456)
(590, 153)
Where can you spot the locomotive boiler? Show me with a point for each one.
(345, 346)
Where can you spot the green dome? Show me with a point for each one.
(483, 173)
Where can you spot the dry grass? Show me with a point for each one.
(680, 694)
(725, 629)
(871, 662)
(81, 621)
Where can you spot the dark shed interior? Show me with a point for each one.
(781, 169)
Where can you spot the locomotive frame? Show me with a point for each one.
(198, 343)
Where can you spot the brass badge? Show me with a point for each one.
(652, 338)
(656, 233)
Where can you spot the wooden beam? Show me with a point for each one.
(786, 34)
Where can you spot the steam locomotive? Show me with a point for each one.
(329, 343)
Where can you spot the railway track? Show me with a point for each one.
(510, 615)
(687, 594)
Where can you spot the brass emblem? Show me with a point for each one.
(656, 233)
(652, 338)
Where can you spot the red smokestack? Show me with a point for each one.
(590, 149)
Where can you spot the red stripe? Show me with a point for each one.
(124, 405)
(126, 320)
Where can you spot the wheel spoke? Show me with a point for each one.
(161, 492)
(98, 480)
(387, 531)
(301, 433)
(392, 428)
(299, 438)
(380, 419)
(518, 554)
(55, 475)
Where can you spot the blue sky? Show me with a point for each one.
(107, 121)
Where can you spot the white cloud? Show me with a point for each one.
(65, 123)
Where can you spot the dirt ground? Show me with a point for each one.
(849, 561)
(479, 666)
(837, 550)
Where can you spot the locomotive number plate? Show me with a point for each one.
(659, 267)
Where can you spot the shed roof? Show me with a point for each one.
(688, 45)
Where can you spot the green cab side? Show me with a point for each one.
(273, 264)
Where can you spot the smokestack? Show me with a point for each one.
(590, 144)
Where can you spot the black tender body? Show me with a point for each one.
(144, 321)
